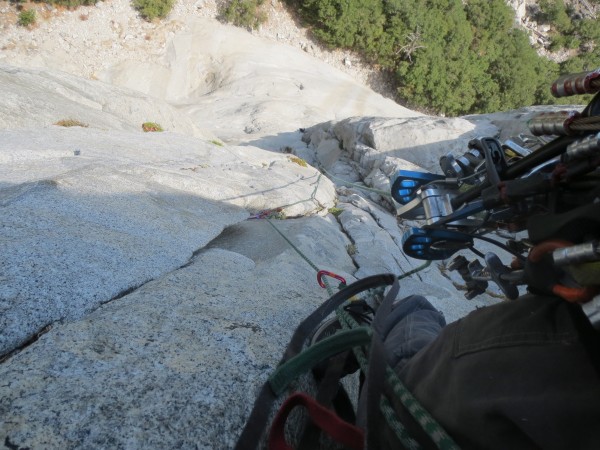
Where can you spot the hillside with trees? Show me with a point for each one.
(456, 58)
(453, 57)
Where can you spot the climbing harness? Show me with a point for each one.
(365, 343)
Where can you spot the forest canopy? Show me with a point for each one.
(454, 57)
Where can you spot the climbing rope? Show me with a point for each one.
(274, 212)
(269, 214)
(415, 270)
(434, 430)
(302, 255)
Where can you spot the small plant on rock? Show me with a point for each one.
(279, 215)
(27, 18)
(151, 126)
(298, 161)
(151, 9)
(335, 211)
(71, 123)
(72, 4)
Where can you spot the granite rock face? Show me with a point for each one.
(143, 296)
(39, 98)
(377, 147)
(175, 364)
(247, 89)
(81, 229)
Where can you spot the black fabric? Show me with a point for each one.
(517, 375)
(572, 226)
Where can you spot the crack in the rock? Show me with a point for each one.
(127, 291)
(33, 338)
(29, 341)
(343, 231)
(378, 222)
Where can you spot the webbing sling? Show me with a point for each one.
(257, 422)
(331, 394)
(320, 351)
(342, 432)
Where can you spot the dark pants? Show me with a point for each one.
(520, 374)
(413, 324)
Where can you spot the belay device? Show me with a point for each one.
(547, 184)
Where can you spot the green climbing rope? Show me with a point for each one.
(433, 429)
(415, 270)
(302, 255)
(270, 213)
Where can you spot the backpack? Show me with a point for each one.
(358, 348)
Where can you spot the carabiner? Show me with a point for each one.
(320, 274)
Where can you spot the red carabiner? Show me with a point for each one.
(320, 274)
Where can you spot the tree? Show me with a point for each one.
(151, 9)
(244, 13)
(356, 24)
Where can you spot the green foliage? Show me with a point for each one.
(217, 142)
(351, 24)
(588, 30)
(450, 56)
(335, 211)
(152, 9)
(581, 34)
(71, 123)
(72, 4)
(244, 13)
(441, 72)
(554, 12)
(151, 126)
(26, 18)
